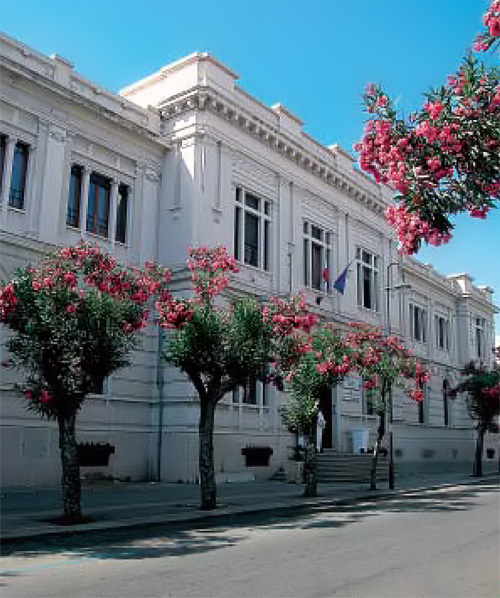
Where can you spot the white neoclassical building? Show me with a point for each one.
(185, 157)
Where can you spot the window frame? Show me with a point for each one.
(260, 391)
(323, 243)
(442, 332)
(122, 198)
(480, 337)
(418, 323)
(250, 206)
(98, 181)
(77, 171)
(368, 270)
(18, 202)
(3, 156)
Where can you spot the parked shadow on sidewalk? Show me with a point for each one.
(182, 539)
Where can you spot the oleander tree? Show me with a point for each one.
(322, 365)
(445, 158)
(74, 320)
(482, 389)
(227, 343)
(383, 364)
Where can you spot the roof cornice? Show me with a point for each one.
(323, 167)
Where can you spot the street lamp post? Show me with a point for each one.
(388, 289)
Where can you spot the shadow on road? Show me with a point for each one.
(178, 540)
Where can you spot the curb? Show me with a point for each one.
(277, 508)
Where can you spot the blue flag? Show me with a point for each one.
(339, 284)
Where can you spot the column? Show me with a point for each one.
(113, 209)
(7, 171)
(84, 200)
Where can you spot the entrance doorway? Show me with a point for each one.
(325, 406)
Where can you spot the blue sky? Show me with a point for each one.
(314, 57)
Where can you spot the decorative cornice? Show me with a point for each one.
(45, 81)
(326, 169)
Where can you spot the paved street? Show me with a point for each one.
(433, 543)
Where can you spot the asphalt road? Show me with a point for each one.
(436, 543)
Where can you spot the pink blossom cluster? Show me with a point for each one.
(288, 314)
(209, 270)
(175, 313)
(491, 20)
(436, 154)
(44, 396)
(8, 301)
(491, 392)
(377, 357)
(336, 369)
(410, 228)
(72, 271)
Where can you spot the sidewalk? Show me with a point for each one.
(26, 512)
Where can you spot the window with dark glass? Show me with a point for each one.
(442, 327)
(418, 323)
(98, 205)
(480, 348)
(74, 197)
(3, 148)
(18, 179)
(317, 257)
(251, 255)
(265, 393)
(252, 230)
(250, 393)
(367, 271)
(121, 214)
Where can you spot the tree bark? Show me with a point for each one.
(206, 455)
(376, 450)
(70, 482)
(310, 478)
(477, 470)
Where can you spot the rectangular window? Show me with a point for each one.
(252, 229)
(368, 281)
(74, 197)
(418, 323)
(250, 393)
(121, 214)
(368, 408)
(251, 255)
(442, 328)
(317, 258)
(480, 346)
(3, 149)
(18, 180)
(265, 393)
(98, 205)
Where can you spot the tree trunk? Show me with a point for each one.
(70, 482)
(376, 450)
(206, 455)
(311, 483)
(477, 470)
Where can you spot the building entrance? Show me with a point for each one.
(325, 406)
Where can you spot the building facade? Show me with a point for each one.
(182, 158)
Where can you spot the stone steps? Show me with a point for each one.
(344, 467)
